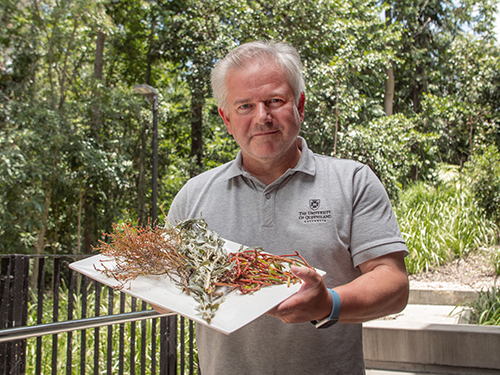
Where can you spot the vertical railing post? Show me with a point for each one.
(133, 307)
(153, 346)
(143, 341)
(172, 344)
(182, 346)
(19, 312)
(39, 312)
(83, 332)
(97, 312)
(121, 340)
(168, 345)
(5, 281)
(71, 303)
(163, 346)
(56, 282)
(109, 357)
(14, 312)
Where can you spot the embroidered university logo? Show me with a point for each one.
(314, 204)
(314, 215)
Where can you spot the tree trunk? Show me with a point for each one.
(40, 243)
(416, 90)
(197, 102)
(64, 73)
(336, 114)
(89, 226)
(150, 56)
(389, 91)
(90, 201)
(389, 83)
(141, 180)
(79, 224)
(99, 55)
(98, 74)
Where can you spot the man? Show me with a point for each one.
(279, 195)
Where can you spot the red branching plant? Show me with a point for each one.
(254, 269)
(144, 251)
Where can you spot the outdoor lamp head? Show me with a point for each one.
(145, 90)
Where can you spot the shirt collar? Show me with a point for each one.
(305, 165)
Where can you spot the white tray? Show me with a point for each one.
(236, 311)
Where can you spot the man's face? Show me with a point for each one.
(261, 113)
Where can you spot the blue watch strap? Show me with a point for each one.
(334, 315)
(336, 305)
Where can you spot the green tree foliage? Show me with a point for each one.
(391, 146)
(59, 162)
(447, 71)
(75, 140)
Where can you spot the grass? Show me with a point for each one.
(486, 309)
(440, 224)
(495, 260)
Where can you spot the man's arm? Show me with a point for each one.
(382, 289)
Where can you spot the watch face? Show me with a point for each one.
(328, 323)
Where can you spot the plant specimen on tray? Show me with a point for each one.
(193, 257)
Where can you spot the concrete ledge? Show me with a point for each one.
(444, 347)
(397, 368)
(440, 297)
(428, 337)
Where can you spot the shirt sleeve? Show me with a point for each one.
(178, 206)
(375, 231)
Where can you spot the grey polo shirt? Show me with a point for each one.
(335, 213)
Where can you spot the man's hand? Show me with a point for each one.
(160, 310)
(381, 290)
(311, 302)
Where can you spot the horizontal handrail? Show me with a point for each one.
(20, 333)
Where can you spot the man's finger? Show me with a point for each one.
(306, 274)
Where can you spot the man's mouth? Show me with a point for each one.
(264, 133)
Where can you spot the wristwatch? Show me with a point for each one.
(334, 315)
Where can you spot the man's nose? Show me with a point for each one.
(263, 113)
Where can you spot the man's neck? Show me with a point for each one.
(269, 170)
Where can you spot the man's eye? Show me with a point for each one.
(275, 101)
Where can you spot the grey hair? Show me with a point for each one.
(281, 53)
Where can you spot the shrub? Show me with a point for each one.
(442, 222)
(484, 172)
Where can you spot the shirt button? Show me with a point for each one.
(268, 196)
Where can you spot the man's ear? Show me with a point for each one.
(225, 117)
(301, 106)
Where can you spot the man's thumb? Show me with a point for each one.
(303, 273)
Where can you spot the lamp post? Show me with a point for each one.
(150, 93)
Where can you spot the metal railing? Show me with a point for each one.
(43, 302)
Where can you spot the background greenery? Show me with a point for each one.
(412, 94)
